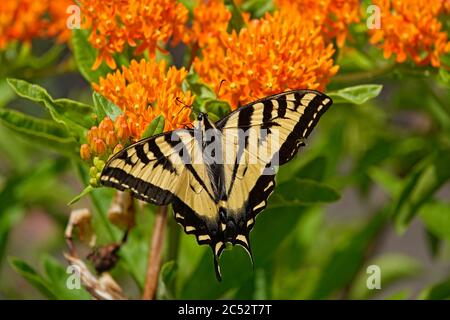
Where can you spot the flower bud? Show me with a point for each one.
(93, 182)
(124, 132)
(99, 146)
(105, 126)
(99, 164)
(85, 152)
(91, 135)
(117, 148)
(93, 172)
(111, 139)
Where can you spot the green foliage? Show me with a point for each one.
(426, 178)
(357, 94)
(48, 133)
(85, 55)
(237, 21)
(53, 284)
(105, 108)
(76, 117)
(377, 164)
(312, 192)
(155, 127)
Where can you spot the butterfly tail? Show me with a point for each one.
(217, 251)
(244, 242)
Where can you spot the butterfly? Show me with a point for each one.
(218, 176)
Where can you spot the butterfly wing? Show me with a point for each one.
(164, 169)
(257, 138)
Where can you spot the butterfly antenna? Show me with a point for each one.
(184, 105)
(220, 86)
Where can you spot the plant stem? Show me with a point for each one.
(372, 248)
(364, 75)
(154, 256)
(174, 240)
(444, 106)
(174, 237)
(98, 208)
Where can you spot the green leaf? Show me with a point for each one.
(45, 132)
(6, 93)
(394, 267)
(80, 113)
(400, 295)
(83, 193)
(312, 192)
(168, 271)
(434, 243)
(57, 276)
(105, 108)
(427, 177)
(237, 21)
(34, 187)
(155, 127)
(271, 229)
(216, 109)
(75, 116)
(85, 56)
(436, 217)
(192, 83)
(346, 261)
(258, 8)
(444, 75)
(166, 279)
(314, 169)
(357, 94)
(439, 291)
(26, 271)
(388, 182)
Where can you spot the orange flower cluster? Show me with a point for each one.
(143, 24)
(25, 20)
(410, 28)
(145, 90)
(211, 18)
(270, 55)
(333, 16)
(109, 137)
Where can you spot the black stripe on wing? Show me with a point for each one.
(119, 176)
(140, 189)
(205, 231)
(314, 110)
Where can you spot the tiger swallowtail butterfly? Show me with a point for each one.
(218, 176)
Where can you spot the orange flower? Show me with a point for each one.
(410, 28)
(145, 90)
(24, 20)
(138, 23)
(108, 137)
(211, 17)
(333, 16)
(270, 55)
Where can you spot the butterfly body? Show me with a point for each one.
(218, 176)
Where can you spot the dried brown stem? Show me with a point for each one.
(154, 256)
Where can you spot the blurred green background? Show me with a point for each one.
(370, 188)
